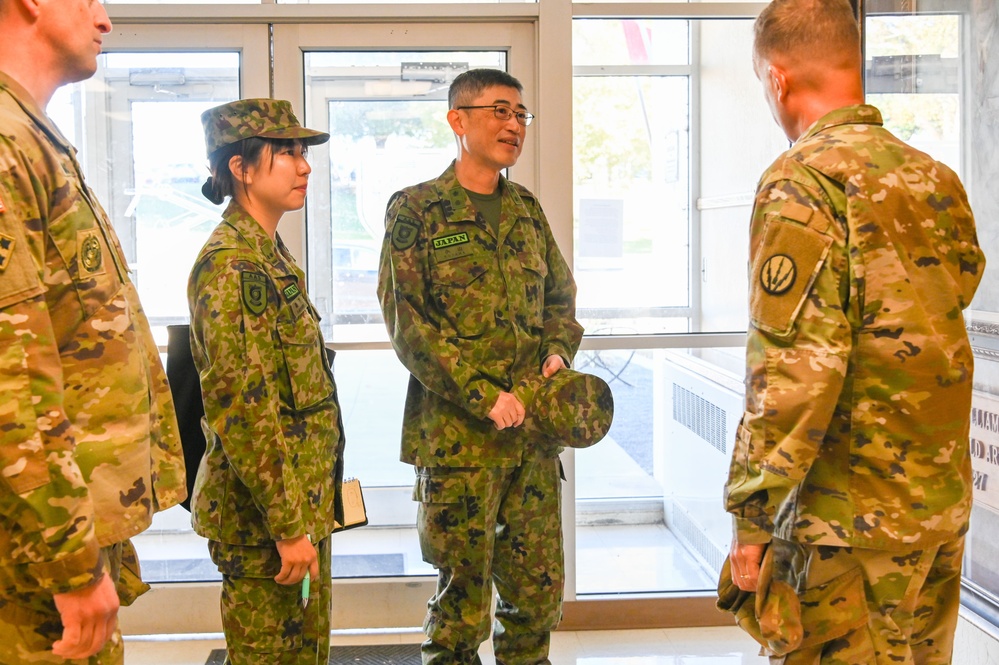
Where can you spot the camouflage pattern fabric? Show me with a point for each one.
(89, 448)
(863, 253)
(265, 623)
(274, 457)
(32, 624)
(854, 441)
(470, 314)
(860, 606)
(503, 524)
(246, 118)
(569, 408)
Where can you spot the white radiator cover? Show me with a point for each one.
(702, 410)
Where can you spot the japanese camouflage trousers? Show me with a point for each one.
(481, 527)
(867, 607)
(30, 623)
(264, 622)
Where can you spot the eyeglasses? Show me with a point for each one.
(504, 113)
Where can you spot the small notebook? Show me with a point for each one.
(354, 513)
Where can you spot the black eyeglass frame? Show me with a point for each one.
(523, 117)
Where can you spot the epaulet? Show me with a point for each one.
(395, 197)
(524, 192)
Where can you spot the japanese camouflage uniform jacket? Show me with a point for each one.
(274, 457)
(863, 255)
(89, 448)
(471, 314)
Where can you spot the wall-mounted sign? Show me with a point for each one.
(985, 449)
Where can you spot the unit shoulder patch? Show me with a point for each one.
(790, 259)
(405, 231)
(777, 274)
(254, 291)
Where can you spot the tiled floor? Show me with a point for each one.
(675, 646)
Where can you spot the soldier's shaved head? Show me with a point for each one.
(820, 33)
(807, 56)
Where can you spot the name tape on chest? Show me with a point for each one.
(291, 295)
(452, 246)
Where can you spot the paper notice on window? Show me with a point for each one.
(985, 450)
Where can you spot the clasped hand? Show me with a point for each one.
(508, 411)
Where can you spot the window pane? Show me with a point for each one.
(632, 203)
(149, 179)
(914, 77)
(649, 514)
(630, 42)
(662, 209)
(386, 115)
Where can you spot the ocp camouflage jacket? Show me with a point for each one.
(89, 448)
(863, 255)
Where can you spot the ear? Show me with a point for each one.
(456, 121)
(31, 7)
(778, 80)
(236, 168)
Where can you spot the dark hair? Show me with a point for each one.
(825, 31)
(469, 85)
(221, 183)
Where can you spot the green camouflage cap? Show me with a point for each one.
(570, 408)
(246, 118)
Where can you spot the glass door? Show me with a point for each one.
(381, 93)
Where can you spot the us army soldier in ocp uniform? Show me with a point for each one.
(88, 436)
(851, 464)
(477, 297)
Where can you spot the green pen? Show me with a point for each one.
(305, 584)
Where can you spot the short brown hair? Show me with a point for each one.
(820, 30)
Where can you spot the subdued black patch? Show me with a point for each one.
(778, 274)
(405, 231)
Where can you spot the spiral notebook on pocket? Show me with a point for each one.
(354, 513)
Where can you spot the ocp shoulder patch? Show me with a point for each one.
(778, 274)
(254, 291)
(405, 231)
(790, 258)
